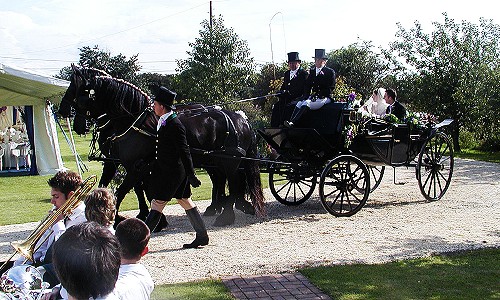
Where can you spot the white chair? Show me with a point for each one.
(16, 153)
(2, 152)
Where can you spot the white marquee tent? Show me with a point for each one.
(33, 92)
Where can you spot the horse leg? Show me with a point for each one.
(243, 204)
(143, 206)
(128, 182)
(236, 190)
(218, 192)
(108, 172)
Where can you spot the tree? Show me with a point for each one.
(360, 67)
(453, 72)
(117, 66)
(219, 67)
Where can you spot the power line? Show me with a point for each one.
(115, 33)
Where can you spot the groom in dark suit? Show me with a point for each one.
(292, 89)
(394, 107)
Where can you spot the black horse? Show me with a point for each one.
(218, 139)
(103, 133)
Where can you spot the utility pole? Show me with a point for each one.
(210, 16)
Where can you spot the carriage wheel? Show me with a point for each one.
(344, 186)
(376, 174)
(289, 186)
(435, 166)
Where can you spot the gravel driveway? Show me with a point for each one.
(396, 223)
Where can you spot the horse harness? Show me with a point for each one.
(231, 142)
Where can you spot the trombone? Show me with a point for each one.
(27, 247)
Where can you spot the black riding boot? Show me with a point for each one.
(199, 226)
(297, 113)
(153, 219)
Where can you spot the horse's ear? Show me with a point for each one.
(73, 67)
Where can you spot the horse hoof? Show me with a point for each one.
(142, 215)
(212, 211)
(245, 207)
(225, 219)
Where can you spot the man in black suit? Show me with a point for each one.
(173, 171)
(292, 88)
(317, 89)
(395, 107)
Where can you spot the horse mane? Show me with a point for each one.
(122, 95)
(89, 72)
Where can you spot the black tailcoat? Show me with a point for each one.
(397, 109)
(320, 85)
(173, 162)
(293, 89)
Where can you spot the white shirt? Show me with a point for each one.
(54, 232)
(293, 74)
(318, 70)
(162, 119)
(134, 283)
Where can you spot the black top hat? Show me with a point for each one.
(165, 96)
(293, 56)
(320, 53)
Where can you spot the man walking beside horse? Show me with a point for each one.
(173, 171)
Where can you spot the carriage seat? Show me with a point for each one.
(326, 120)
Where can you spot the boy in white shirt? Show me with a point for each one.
(134, 281)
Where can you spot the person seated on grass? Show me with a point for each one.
(86, 259)
(134, 281)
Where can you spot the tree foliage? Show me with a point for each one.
(219, 67)
(359, 67)
(453, 72)
(118, 66)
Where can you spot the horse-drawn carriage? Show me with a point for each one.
(347, 155)
(322, 149)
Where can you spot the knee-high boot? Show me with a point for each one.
(297, 113)
(153, 219)
(199, 226)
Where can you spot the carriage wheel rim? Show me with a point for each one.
(339, 187)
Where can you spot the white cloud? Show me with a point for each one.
(161, 30)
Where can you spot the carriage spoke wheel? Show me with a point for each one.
(435, 166)
(344, 186)
(376, 174)
(290, 186)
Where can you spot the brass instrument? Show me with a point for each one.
(27, 247)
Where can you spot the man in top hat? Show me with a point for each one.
(292, 89)
(317, 89)
(173, 172)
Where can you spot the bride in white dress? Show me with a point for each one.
(376, 105)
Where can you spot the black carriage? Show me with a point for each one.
(346, 156)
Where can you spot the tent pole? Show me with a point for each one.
(74, 147)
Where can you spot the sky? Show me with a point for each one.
(45, 36)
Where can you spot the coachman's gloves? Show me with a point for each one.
(194, 181)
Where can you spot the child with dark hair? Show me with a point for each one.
(134, 281)
(87, 261)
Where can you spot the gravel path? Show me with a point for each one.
(396, 223)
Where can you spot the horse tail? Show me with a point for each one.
(253, 182)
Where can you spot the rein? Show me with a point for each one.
(135, 127)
